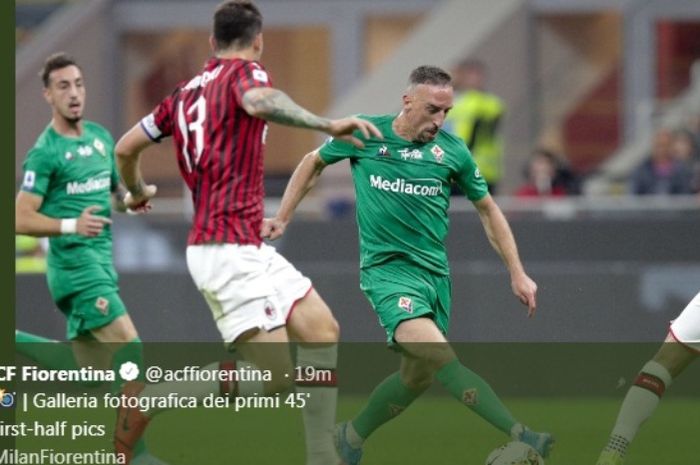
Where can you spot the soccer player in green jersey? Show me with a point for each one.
(69, 188)
(403, 184)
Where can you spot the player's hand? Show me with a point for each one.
(272, 228)
(140, 203)
(525, 289)
(91, 225)
(343, 129)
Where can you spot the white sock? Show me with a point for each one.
(319, 412)
(640, 402)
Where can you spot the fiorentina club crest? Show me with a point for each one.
(406, 304)
(102, 305)
(470, 397)
(438, 153)
(100, 146)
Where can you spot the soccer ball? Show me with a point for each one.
(514, 453)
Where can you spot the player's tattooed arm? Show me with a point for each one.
(118, 200)
(276, 106)
(128, 151)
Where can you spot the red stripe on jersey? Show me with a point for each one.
(219, 150)
(650, 383)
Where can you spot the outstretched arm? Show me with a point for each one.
(274, 105)
(502, 240)
(128, 151)
(303, 179)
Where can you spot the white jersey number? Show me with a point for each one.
(195, 127)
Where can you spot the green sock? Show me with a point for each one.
(387, 400)
(470, 389)
(48, 353)
(130, 352)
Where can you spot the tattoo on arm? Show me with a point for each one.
(276, 106)
(118, 200)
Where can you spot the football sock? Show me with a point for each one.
(48, 353)
(470, 389)
(318, 381)
(132, 351)
(640, 402)
(388, 400)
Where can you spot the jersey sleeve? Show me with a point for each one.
(159, 123)
(469, 178)
(334, 150)
(248, 76)
(38, 169)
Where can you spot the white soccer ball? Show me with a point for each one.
(514, 453)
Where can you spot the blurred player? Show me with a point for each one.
(69, 188)
(218, 121)
(403, 186)
(681, 347)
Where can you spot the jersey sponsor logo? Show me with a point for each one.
(259, 75)
(414, 154)
(69, 155)
(419, 187)
(438, 153)
(29, 179)
(201, 80)
(86, 187)
(383, 152)
(406, 304)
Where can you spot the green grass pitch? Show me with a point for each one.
(434, 430)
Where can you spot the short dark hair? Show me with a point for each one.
(56, 61)
(236, 23)
(431, 75)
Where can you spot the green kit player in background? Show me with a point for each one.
(69, 188)
(403, 185)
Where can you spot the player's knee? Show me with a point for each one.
(325, 330)
(417, 381)
(329, 331)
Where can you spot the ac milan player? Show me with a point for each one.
(218, 121)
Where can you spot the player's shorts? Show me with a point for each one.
(686, 328)
(399, 291)
(88, 296)
(246, 287)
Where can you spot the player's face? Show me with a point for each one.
(66, 93)
(426, 107)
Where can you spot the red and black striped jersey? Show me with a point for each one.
(219, 149)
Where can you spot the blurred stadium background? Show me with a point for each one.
(591, 80)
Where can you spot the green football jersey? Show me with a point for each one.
(403, 193)
(71, 174)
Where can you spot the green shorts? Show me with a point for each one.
(88, 296)
(400, 291)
